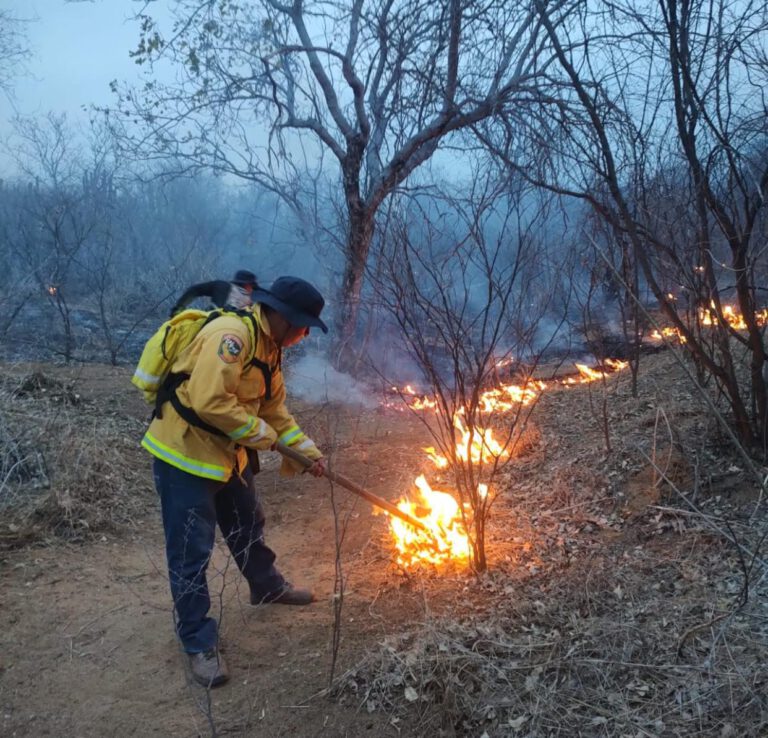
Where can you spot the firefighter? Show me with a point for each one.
(236, 293)
(223, 403)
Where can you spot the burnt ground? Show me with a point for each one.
(623, 597)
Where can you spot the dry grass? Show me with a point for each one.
(626, 595)
(648, 644)
(67, 467)
(627, 590)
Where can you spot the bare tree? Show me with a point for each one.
(660, 96)
(138, 226)
(105, 248)
(13, 49)
(467, 281)
(614, 295)
(55, 221)
(268, 90)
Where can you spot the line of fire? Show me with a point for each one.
(453, 516)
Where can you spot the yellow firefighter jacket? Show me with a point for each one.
(229, 393)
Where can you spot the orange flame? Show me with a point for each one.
(616, 364)
(500, 399)
(442, 515)
(477, 444)
(424, 403)
(588, 374)
(708, 318)
(439, 511)
(668, 332)
(437, 459)
(508, 396)
(417, 403)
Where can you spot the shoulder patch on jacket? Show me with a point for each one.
(230, 348)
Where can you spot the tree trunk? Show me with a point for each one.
(479, 560)
(358, 245)
(748, 309)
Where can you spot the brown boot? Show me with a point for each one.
(208, 668)
(289, 595)
(294, 596)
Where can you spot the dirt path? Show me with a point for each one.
(88, 645)
(87, 638)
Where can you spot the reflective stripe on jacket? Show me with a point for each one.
(227, 392)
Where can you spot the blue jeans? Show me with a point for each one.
(191, 508)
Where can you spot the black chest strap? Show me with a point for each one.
(167, 393)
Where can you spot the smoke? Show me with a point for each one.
(551, 335)
(313, 379)
(391, 364)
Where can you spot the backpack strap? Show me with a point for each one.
(267, 371)
(262, 366)
(167, 391)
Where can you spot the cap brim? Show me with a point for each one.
(315, 322)
(295, 317)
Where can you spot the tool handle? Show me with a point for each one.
(293, 455)
(352, 487)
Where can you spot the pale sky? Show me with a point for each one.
(77, 49)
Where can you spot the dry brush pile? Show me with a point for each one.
(68, 468)
(627, 593)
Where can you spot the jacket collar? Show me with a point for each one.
(263, 324)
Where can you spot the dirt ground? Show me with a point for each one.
(87, 634)
(87, 638)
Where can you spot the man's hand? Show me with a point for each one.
(317, 469)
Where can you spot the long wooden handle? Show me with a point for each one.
(379, 502)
